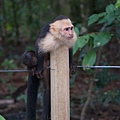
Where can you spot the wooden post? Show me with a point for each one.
(60, 105)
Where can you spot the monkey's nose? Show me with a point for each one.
(71, 35)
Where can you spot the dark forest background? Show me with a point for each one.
(98, 90)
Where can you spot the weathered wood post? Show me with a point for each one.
(60, 105)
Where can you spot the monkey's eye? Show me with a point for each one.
(71, 28)
(66, 29)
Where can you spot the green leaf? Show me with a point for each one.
(102, 19)
(110, 8)
(101, 39)
(75, 48)
(92, 35)
(117, 4)
(92, 19)
(102, 14)
(2, 118)
(89, 59)
(22, 96)
(110, 18)
(77, 31)
(117, 11)
(81, 42)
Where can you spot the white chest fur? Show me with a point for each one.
(49, 43)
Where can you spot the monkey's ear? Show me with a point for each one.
(54, 28)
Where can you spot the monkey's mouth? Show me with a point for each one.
(70, 37)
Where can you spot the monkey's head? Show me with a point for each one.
(63, 30)
(58, 33)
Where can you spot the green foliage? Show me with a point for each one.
(9, 64)
(22, 19)
(101, 39)
(117, 4)
(22, 97)
(81, 42)
(2, 118)
(77, 31)
(93, 18)
(110, 96)
(91, 42)
(89, 59)
(108, 17)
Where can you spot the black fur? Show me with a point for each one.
(29, 59)
(44, 31)
(32, 91)
(61, 17)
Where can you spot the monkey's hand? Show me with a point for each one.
(31, 71)
(73, 68)
(39, 73)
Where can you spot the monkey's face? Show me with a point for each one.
(63, 32)
(67, 32)
(63, 29)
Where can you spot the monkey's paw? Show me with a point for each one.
(31, 71)
(73, 69)
(39, 74)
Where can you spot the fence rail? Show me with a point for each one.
(103, 67)
(7, 71)
(95, 67)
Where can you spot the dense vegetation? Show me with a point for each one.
(97, 24)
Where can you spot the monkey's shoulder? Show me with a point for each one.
(44, 30)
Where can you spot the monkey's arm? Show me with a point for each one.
(71, 62)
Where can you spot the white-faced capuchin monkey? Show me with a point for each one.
(52, 36)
